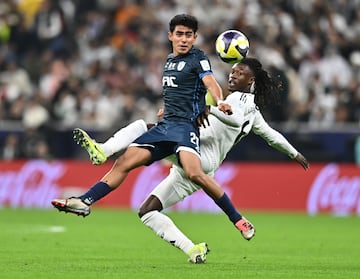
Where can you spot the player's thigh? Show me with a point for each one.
(132, 158)
(190, 162)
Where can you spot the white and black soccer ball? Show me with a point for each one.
(232, 46)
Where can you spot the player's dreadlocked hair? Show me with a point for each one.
(266, 88)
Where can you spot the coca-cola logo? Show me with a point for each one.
(34, 185)
(155, 174)
(332, 192)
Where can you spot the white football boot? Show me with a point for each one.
(73, 205)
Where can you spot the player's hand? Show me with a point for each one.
(203, 117)
(300, 159)
(160, 113)
(225, 108)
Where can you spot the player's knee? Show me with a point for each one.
(119, 163)
(195, 176)
(123, 164)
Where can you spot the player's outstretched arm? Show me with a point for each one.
(235, 119)
(301, 160)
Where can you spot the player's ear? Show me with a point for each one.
(252, 87)
(251, 81)
(170, 36)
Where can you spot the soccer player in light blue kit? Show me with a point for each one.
(187, 76)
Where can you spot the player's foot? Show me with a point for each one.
(246, 228)
(72, 205)
(197, 254)
(96, 153)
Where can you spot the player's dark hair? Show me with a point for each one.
(267, 89)
(184, 19)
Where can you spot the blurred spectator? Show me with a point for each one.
(50, 28)
(357, 151)
(17, 80)
(64, 106)
(42, 151)
(99, 63)
(32, 144)
(334, 68)
(35, 115)
(52, 79)
(11, 149)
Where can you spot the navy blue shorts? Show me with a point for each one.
(168, 137)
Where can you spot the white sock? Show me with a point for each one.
(164, 227)
(122, 138)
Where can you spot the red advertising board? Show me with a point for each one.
(332, 188)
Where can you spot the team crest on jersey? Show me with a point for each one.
(181, 65)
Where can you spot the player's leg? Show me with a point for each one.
(131, 159)
(164, 196)
(192, 167)
(99, 152)
(143, 151)
(122, 138)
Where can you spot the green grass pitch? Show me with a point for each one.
(115, 244)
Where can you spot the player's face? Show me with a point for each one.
(182, 39)
(240, 78)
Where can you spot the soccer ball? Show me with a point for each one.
(232, 46)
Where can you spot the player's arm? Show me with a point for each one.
(277, 140)
(216, 93)
(236, 119)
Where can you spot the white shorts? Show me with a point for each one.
(174, 188)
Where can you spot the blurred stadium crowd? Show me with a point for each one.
(97, 64)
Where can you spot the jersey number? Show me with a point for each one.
(194, 140)
(242, 133)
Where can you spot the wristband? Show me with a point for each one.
(219, 102)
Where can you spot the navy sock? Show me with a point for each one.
(226, 205)
(96, 192)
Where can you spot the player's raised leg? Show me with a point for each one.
(99, 152)
(94, 149)
(132, 158)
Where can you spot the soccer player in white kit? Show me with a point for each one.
(251, 87)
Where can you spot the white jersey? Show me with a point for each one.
(217, 139)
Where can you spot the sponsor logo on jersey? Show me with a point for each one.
(170, 66)
(205, 65)
(169, 81)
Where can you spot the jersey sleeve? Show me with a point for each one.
(272, 137)
(234, 120)
(202, 64)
